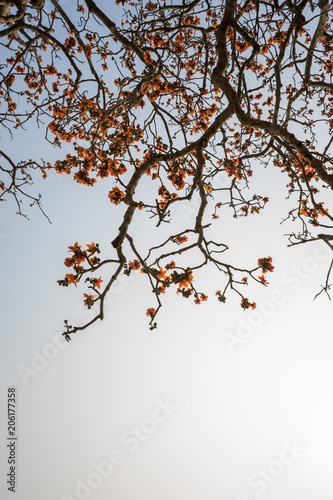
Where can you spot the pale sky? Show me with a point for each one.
(240, 384)
(216, 404)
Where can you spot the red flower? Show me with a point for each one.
(89, 300)
(266, 264)
(221, 298)
(116, 195)
(151, 312)
(245, 304)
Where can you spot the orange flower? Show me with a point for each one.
(266, 264)
(78, 256)
(180, 239)
(89, 300)
(245, 304)
(151, 312)
(161, 274)
(71, 279)
(134, 265)
(116, 195)
(92, 247)
(221, 298)
(185, 280)
(75, 247)
(96, 282)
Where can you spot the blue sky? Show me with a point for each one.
(244, 383)
(217, 403)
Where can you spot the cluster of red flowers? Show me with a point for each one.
(266, 264)
(116, 195)
(245, 304)
(75, 261)
(220, 296)
(179, 239)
